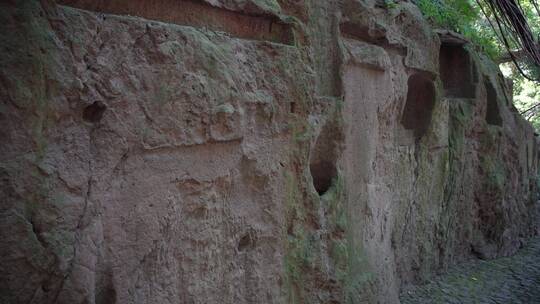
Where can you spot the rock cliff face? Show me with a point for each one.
(249, 151)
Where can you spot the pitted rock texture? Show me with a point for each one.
(145, 161)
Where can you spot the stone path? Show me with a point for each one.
(510, 280)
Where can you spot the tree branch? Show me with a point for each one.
(518, 54)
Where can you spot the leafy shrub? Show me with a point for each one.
(464, 17)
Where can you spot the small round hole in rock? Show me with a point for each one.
(94, 112)
(246, 242)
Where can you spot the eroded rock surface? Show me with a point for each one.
(266, 152)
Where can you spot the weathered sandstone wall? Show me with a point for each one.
(249, 151)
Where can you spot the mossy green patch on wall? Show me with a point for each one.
(347, 254)
(295, 255)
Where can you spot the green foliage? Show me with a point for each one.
(531, 15)
(526, 94)
(390, 4)
(452, 14)
(526, 99)
(464, 17)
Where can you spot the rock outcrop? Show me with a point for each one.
(249, 151)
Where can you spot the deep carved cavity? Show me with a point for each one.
(94, 112)
(246, 242)
(457, 72)
(323, 158)
(323, 172)
(419, 105)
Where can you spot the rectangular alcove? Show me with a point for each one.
(457, 70)
(196, 14)
(416, 116)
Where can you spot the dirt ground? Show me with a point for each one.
(514, 279)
